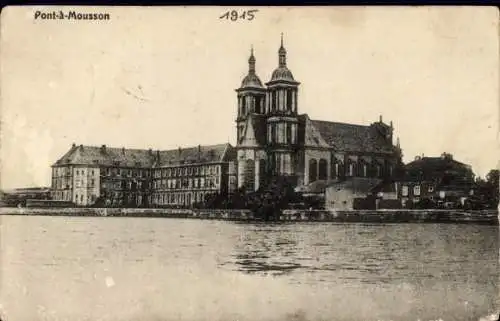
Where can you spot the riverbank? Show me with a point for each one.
(373, 216)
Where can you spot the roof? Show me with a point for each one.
(27, 190)
(443, 169)
(355, 138)
(251, 81)
(282, 73)
(357, 184)
(316, 187)
(124, 157)
(200, 154)
(254, 131)
(436, 164)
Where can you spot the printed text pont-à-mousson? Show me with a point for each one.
(70, 15)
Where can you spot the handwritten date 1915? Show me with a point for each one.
(234, 15)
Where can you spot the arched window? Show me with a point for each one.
(274, 100)
(243, 106)
(289, 95)
(313, 170)
(257, 105)
(273, 133)
(249, 181)
(288, 133)
(323, 169)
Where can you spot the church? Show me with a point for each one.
(274, 139)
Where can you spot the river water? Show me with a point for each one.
(151, 269)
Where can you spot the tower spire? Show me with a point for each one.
(251, 62)
(282, 54)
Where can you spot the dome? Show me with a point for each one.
(282, 73)
(251, 80)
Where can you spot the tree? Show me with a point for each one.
(487, 189)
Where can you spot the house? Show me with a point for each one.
(353, 193)
(436, 181)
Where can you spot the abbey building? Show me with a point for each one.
(272, 139)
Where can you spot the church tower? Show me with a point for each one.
(251, 97)
(282, 118)
(249, 147)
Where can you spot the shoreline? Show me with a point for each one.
(352, 216)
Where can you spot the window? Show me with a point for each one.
(431, 189)
(288, 133)
(404, 191)
(313, 170)
(335, 169)
(289, 94)
(77, 172)
(273, 133)
(323, 172)
(416, 190)
(351, 169)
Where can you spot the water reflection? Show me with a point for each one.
(370, 254)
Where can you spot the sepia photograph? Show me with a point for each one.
(249, 163)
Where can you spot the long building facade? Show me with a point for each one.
(120, 177)
(272, 139)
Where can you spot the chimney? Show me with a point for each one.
(199, 152)
(103, 148)
(380, 119)
(180, 152)
(392, 127)
(123, 150)
(157, 155)
(150, 152)
(81, 147)
(73, 146)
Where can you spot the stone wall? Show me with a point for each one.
(372, 216)
(393, 216)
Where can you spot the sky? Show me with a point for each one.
(166, 77)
